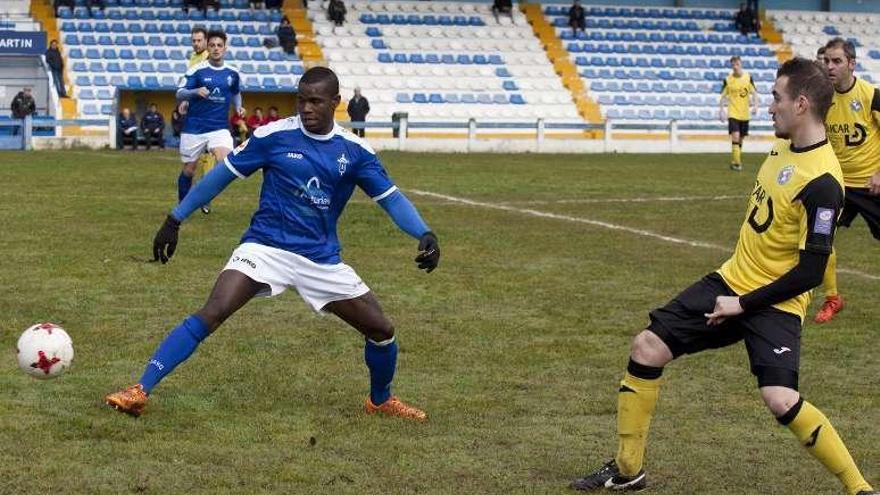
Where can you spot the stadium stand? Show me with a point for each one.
(442, 61)
(143, 45)
(652, 64)
(806, 31)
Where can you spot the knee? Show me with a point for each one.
(212, 316)
(779, 400)
(648, 349)
(381, 332)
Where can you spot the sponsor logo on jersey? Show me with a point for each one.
(295, 156)
(785, 175)
(312, 193)
(856, 105)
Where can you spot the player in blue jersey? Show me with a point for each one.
(208, 88)
(310, 167)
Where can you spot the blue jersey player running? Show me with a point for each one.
(207, 89)
(310, 169)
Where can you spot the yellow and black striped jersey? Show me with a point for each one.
(737, 91)
(853, 128)
(196, 58)
(793, 206)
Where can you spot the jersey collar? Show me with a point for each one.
(318, 137)
(855, 80)
(808, 148)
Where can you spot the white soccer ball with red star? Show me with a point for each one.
(44, 351)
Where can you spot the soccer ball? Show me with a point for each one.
(44, 351)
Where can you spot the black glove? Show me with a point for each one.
(429, 252)
(165, 241)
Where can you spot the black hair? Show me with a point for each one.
(199, 29)
(849, 48)
(217, 34)
(317, 75)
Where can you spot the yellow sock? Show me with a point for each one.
(821, 440)
(635, 405)
(829, 280)
(737, 153)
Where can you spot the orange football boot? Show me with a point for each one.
(831, 306)
(131, 400)
(396, 407)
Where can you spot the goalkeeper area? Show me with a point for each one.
(514, 346)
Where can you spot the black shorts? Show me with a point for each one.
(860, 201)
(740, 126)
(772, 336)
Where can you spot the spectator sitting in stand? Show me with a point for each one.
(70, 4)
(153, 127)
(95, 3)
(286, 36)
(128, 128)
(336, 12)
(577, 17)
(238, 127)
(273, 115)
(502, 7)
(745, 20)
(255, 120)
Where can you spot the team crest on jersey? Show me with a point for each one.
(229, 80)
(855, 105)
(785, 175)
(342, 161)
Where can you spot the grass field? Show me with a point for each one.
(515, 345)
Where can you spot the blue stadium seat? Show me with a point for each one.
(286, 83)
(502, 72)
(102, 27)
(484, 98)
(129, 67)
(147, 67)
(432, 58)
(451, 97)
(96, 67)
(90, 109)
(151, 82)
(264, 69)
(480, 60)
(93, 54)
(168, 82)
(254, 42)
(237, 42)
(88, 40)
(80, 67)
(403, 97)
(251, 82)
(468, 98)
(509, 86)
(104, 94)
(500, 99)
(247, 69)
(436, 98)
(385, 57)
(416, 58)
(400, 58)
(101, 81)
(378, 44)
(464, 59)
(83, 81)
(259, 56)
(71, 39)
(420, 98)
(297, 70)
(373, 32)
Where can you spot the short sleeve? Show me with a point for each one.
(236, 84)
(247, 158)
(188, 81)
(724, 87)
(823, 201)
(373, 179)
(752, 88)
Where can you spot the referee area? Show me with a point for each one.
(514, 345)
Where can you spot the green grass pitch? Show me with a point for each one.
(514, 346)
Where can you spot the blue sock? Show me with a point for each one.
(381, 359)
(175, 349)
(184, 183)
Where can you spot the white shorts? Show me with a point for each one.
(318, 284)
(193, 145)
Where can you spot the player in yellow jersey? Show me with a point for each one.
(758, 296)
(853, 127)
(737, 91)
(199, 41)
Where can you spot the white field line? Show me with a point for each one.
(599, 223)
(624, 200)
